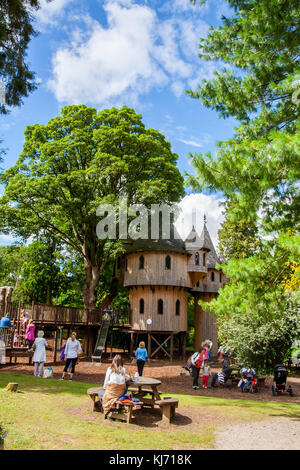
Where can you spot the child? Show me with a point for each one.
(141, 356)
(206, 374)
(16, 339)
(197, 360)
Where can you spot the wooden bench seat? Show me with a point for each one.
(120, 411)
(14, 353)
(167, 407)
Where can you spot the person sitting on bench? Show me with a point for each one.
(114, 384)
(224, 375)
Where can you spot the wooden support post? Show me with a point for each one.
(184, 346)
(111, 343)
(149, 345)
(131, 345)
(172, 347)
(55, 345)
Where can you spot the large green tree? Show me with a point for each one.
(76, 162)
(16, 31)
(257, 171)
(260, 165)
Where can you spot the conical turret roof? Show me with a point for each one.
(207, 244)
(173, 243)
(193, 241)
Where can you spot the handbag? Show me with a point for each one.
(48, 373)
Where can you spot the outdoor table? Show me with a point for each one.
(145, 386)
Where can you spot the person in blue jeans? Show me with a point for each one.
(141, 356)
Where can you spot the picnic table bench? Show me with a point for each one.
(22, 352)
(167, 407)
(145, 386)
(120, 411)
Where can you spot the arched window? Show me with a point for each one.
(141, 263)
(220, 277)
(142, 306)
(204, 259)
(168, 262)
(177, 307)
(198, 284)
(160, 307)
(197, 259)
(212, 276)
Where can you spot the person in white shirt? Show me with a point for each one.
(114, 384)
(71, 355)
(39, 356)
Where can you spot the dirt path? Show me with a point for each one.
(271, 434)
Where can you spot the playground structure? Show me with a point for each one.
(159, 275)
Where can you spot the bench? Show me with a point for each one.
(167, 407)
(16, 354)
(120, 411)
(123, 411)
(93, 393)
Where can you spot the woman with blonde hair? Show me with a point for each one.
(114, 384)
(71, 355)
(141, 356)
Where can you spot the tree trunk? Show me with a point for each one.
(92, 275)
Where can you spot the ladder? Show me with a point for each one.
(101, 340)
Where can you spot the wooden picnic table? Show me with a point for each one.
(146, 386)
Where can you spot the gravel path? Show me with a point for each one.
(271, 434)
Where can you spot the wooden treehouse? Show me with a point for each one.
(159, 275)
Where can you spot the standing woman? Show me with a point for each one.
(30, 333)
(71, 355)
(39, 356)
(141, 356)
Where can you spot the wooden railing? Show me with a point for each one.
(55, 314)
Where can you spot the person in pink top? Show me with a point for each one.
(30, 333)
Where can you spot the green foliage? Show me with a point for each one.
(237, 239)
(258, 172)
(76, 162)
(261, 339)
(259, 166)
(16, 30)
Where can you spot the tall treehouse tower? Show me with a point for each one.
(205, 288)
(159, 275)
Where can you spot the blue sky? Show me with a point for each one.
(139, 53)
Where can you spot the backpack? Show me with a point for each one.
(62, 353)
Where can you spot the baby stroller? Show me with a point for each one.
(279, 385)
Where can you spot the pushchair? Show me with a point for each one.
(279, 385)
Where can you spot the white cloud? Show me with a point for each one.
(193, 143)
(51, 11)
(134, 52)
(193, 207)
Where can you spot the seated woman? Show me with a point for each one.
(114, 384)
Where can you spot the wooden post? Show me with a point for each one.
(55, 345)
(184, 346)
(131, 345)
(111, 343)
(171, 347)
(149, 345)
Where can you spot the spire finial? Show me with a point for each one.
(204, 218)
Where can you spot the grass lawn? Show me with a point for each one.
(42, 416)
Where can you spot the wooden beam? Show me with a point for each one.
(172, 347)
(55, 346)
(160, 346)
